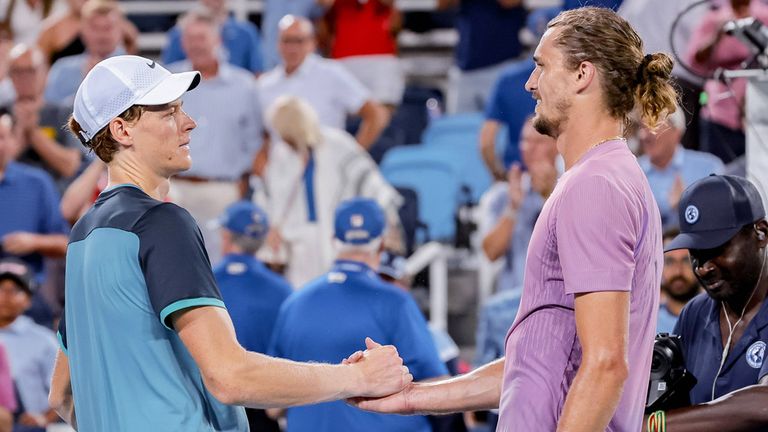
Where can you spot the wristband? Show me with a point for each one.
(657, 422)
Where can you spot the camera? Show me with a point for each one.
(754, 35)
(670, 382)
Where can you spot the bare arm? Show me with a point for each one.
(238, 377)
(477, 390)
(741, 410)
(23, 243)
(508, 4)
(488, 148)
(80, 192)
(64, 160)
(445, 4)
(374, 119)
(496, 242)
(60, 397)
(602, 325)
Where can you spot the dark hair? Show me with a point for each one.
(103, 143)
(630, 79)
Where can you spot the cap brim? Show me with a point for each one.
(18, 280)
(170, 88)
(701, 240)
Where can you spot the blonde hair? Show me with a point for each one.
(630, 79)
(295, 121)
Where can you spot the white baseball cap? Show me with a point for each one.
(119, 82)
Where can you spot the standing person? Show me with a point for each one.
(591, 287)
(146, 342)
(309, 327)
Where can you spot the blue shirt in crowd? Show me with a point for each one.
(488, 33)
(745, 365)
(31, 194)
(690, 165)
(496, 317)
(666, 321)
(330, 318)
(253, 295)
(31, 352)
(132, 262)
(510, 104)
(240, 40)
(65, 77)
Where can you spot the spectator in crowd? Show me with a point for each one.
(34, 228)
(8, 403)
(7, 94)
(83, 191)
(240, 44)
(137, 272)
(723, 332)
(328, 88)
(593, 268)
(229, 131)
(670, 167)
(311, 169)
(652, 19)
(22, 20)
(488, 41)
(273, 12)
(31, 348)
(43, 143)
(508, 106)
(101, 31)
(252, 293)
(509, 209)
(61, 35)
(710, 49)
(309, 327)
(678, 285)
(363, 38)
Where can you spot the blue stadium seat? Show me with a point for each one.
(458, 124)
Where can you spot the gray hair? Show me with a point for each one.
(249, 245)
(199, 15)
(295, 120)
(370, 248)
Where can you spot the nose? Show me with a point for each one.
(532, 82)
(189, 123)
(702, 270)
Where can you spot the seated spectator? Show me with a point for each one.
(509, 210)
(670, 167)
(228, 133)
(252, 293)
(101, 30)
(509, 105)
(22, 20)
(34, 228)
(723, 332)
(710, 49)
(310, 170)
(240, 39)
(273, 12)
(326, 86)
(43, 142)
(678, 286)
(31, 348)
(332, 315)
(363, 38)
(61, 36)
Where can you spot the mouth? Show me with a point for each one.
(713, 286)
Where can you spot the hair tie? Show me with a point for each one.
(643, 66)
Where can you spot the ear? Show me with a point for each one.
(585, 74)
(121, 131)
(761, 231)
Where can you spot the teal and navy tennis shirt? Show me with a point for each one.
(132, 261)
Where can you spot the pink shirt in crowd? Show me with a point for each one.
(7, 395)
(723, 107)
(600, 230)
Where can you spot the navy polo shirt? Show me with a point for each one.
(510, 104)
(253, 295)
(31, 203)
(330, 318)
(488, 33)
(132, 262)
(699, 327)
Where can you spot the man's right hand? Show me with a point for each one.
(381, 371)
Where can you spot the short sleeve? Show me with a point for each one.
(494, 108)
(415, 344)
(175, 264)
(596, 237)
(352, 94)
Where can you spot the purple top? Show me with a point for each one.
(600, 230)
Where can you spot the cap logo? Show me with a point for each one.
(151, 65)
(356, 220)
(691, 214)
(756, 354)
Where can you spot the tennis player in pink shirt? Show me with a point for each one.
(578, 355)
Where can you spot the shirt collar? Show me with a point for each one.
(304, 68)
(349, 266)
(20, 325)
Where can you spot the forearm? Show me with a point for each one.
(742, 410)
(51, 245)
(371, 127)
(589, 407)
(477, 390)
(65, 161)
(80, 192)
(496, 242)
(488, 149)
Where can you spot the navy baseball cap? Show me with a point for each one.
(712, 210)
(245, 218)
(18, 271)
(358, 221)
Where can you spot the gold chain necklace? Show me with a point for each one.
(617, 137)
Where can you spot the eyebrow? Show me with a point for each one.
(164, 107)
